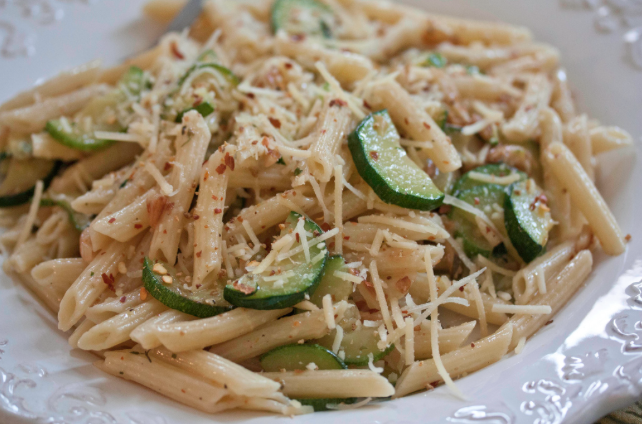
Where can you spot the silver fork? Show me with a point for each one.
(186, 16)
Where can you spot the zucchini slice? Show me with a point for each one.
(298, 17)
(201, 303)
(495, 169)
(357, 345)
(100, 114)
(19, 183)
(338, 288)
(385, 166)
(299, 277)
(79, 221)
(527, 219)
(483, 197)
(296, 357)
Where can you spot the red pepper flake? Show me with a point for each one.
(288, 65)
(444, 209)
(195, 217)
(406, 121)
(374, 155)
(229, 161)
(198, 254)
(325, 226)
(214, 197)
(366, 105)
(206, 175)
(549, 322)
(298, 37)
(627, 237)
(461, 289)
(472, 345)
(112, 220)
(346, 238)
(109, 280)
(175, 50)
(167, 166)
(239, 219)
(138, 226)
(143, 293)
(275, 122)
(217, 211)
(338, 102)
(243, 288)
(298, 239)
(123, 299)
(477, 200)
(250, 95)
(426, 125)
(221, 169)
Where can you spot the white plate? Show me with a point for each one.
(585, 364)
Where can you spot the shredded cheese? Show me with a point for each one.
(32, 214)
(409, 342)
(314, 241)
(434, 332)
(494, 179)
(346, 276)
(338, 338)
(381, 297)
(522, 309)
(319, 195)
(371, 364)
(166, 188)
(252, 236)
(479, 304)
(328, 311)
(494, 267)
(396, 313)
(338, 208)
(376, 243)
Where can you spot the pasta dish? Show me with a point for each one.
(306, 205)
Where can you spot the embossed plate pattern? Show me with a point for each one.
(583, 365)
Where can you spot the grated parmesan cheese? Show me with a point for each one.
(166, 188)
(493, 179)
(409, 342)
(338, 338)
(32, 214)
(371, 364)
(434, 332)
(328, 311)
(381, 297)
(338, 208)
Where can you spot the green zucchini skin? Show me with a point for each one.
(356, 346)
(265, 297)
(172, 297)
(321, 404)
(385, 166)
(225, 72)
(205, 109)
(295, 357)
(496, 169)
(25, 196)
(75, 139)
(284, 13)
(527, 230)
